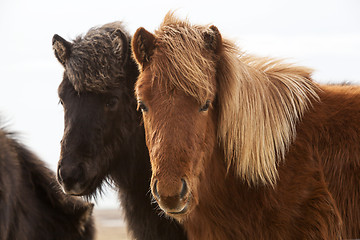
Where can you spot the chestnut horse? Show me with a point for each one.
(32, 205)
(243, 147)
(103, 137)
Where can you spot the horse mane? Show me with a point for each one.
(260, 100)
(182, 59)
(89, 72)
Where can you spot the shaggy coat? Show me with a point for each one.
(103, 138)
(32, 205)
(244, 147)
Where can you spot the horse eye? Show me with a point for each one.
(61, 102)
(142, 106)
(205, 107)
(112, 103)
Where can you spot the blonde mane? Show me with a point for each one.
(260, 99)
(182, 58)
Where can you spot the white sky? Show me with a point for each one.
(322, 34)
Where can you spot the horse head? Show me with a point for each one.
(96, 93)
(176, 92)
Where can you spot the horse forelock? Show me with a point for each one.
(94, 63)
(260, 102)
(181, 59)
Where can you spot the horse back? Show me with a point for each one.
(33, 205)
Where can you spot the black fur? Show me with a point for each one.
(32, 205)
(103, 137)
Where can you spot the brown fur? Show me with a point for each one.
(258, 163)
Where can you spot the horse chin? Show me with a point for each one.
(78, 189)
(182, 213)
(74, 190)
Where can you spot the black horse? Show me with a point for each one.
(103, 137)
(32, 205)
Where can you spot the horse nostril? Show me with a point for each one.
(184, 189)
(60, 180)
(62, 175)
(155, 190)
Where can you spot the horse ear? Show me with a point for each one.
(142, 46)
(212, 38)
(121, 45)
(62, 48)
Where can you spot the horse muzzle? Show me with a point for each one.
(71, 179)
(170, 201)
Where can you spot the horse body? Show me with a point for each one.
(301, 209)
(103, 138)
(332, 127)
(244, 147)
(32, 204)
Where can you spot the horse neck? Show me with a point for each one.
(133, 183)
(211, 211)
(132, 169)
(139, 173)
(38, 190)
(218, 189)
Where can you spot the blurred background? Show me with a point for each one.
(321, 34)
